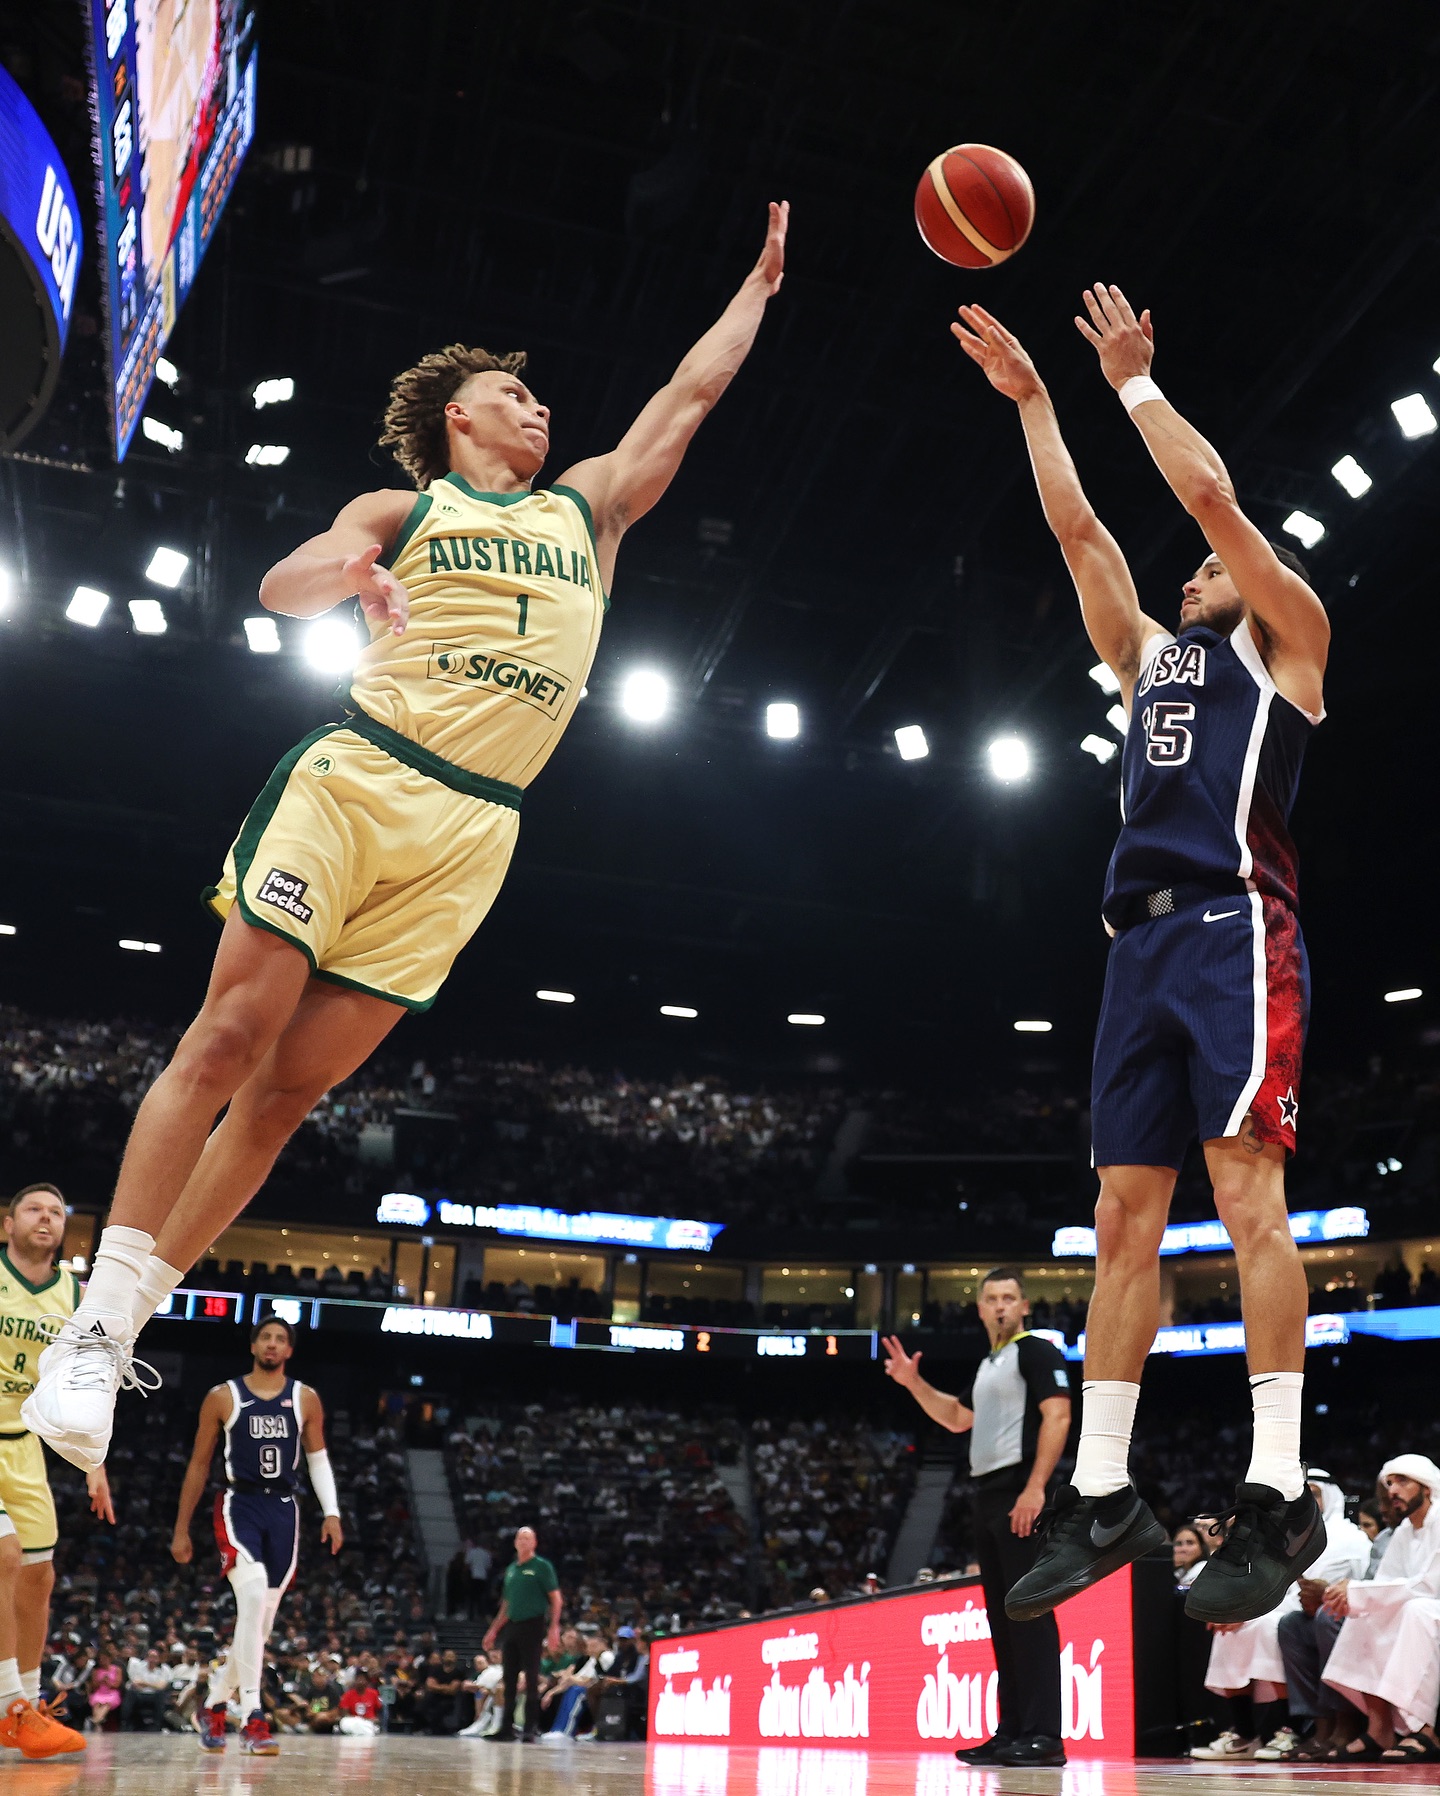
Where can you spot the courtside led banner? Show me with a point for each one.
(1348, 1223)
(593, 1227)
(908, 1673)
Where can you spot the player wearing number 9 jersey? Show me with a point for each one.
(266, 1420)
(1207, 988)
(380, 842)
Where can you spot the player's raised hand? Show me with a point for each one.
(182, 1548)
(998, 353)
(770, 269)
(380, 594)
(332, 1534)
(1124, 343)
(903, 1367)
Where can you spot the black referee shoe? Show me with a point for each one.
(987, 1752)
(1086, 1538)
(1268, 1544)
(1034, 1749)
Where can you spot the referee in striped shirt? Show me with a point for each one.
(1016, 1411)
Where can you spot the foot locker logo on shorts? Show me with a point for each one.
(284, 891)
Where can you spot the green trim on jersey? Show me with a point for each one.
(458, 480)
(582, 505)
(416, 518)
(423, 760)
(34, 1290)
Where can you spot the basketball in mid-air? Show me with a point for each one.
(974, 205)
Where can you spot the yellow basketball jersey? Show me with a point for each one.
(505, 614)
(21, 1343)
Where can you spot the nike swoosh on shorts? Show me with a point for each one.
(1214, 916)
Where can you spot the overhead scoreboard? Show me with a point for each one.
(174, 84)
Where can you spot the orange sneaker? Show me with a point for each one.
(34, 1729)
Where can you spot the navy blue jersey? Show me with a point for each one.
(1208, 777)
(262, 1437)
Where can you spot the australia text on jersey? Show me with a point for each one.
(466, 552)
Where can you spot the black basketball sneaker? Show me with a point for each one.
(1086, 1538)
(1268, 1544)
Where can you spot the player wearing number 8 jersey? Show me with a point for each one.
(380, 842)
(1207, 988)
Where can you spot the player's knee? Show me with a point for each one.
(219, 1052)
(277, 1111)
(1125, 1222)
(10, 1561)
(1253, 1214)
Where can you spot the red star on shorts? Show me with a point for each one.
(1289, 1109)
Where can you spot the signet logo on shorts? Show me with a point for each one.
(285, 891)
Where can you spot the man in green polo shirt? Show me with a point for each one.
(529, 1612)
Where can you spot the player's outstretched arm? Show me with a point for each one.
(322, 1475)
(624, 484)
(213, 1413)
(1286, 608)
(340, 564)
(1109, 604)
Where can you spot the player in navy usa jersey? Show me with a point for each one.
(1207, 988)
(266, 1421)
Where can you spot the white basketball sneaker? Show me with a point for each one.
(72, 1407)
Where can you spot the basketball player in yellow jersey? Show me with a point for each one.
(32, 1289)
(379, 844)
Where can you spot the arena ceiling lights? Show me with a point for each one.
(1352, 477)
(806, 1019)
(1032, 1026)
(167, 373)
(164, 434)
(911, 742)
(87, 606)
(1009, 758)
(262, 635)
(266, 455)
(680, 1010)
(1101, 747)
(1406, 995)
(167, 567)
(645, 695)
(1105, 678)
(1413, 415)
(782, 721)
(331, 645)
(273, 392)
(147, 617)
(1301, 525)
(7, 590)
(548, 997)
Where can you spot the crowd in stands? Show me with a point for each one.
(739, 1153)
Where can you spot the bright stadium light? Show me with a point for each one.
(263, 635)
(167, 567)
(132, 946)
(8, 929)
(910, 740)
(782, 721)
(645, 696)
(1033, 1026)
(87, 606)
(555, 997)
(331, 645)
(1405, 995)
(805, 1019)
(7, 590)
(1117, 719)
(147, 617)
(679, 1010)
(163, 434)
(167, 373)
(266, 455)
(273, 392)
(1300, 524)
(1101, 747)
(1352, 477)
(1413, 415)
(1105, 678)
(1009, 758)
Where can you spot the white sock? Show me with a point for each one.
(157, 1281)
(1107, 1416)
(110, 1290)
(30, 1685)
(10, 1690)
(1275, 1456)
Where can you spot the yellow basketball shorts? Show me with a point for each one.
(375, 858)
(25, 1492)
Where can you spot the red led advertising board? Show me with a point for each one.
(908, 1673)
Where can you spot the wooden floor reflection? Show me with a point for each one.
(173, 1765)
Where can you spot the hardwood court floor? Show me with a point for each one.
(173, 1765)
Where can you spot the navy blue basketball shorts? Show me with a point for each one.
(255, 1528)
(1202, 1024)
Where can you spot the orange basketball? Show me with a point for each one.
(974, 206)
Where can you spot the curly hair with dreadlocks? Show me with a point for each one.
(414, 430)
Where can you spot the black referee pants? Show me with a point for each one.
(520, 1650)
(1027, 1653)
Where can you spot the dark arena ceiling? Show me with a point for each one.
(855, 528)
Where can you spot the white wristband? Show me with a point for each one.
(1137, 390)
(322, 1480)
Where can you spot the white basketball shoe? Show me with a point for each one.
(88, 1363)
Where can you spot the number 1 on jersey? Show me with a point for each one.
(523, 601)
